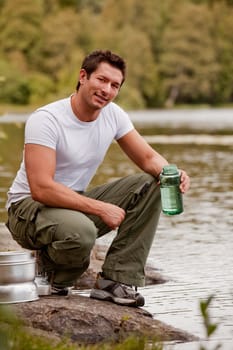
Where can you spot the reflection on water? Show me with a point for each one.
(193, 249)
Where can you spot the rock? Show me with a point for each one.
(89, 321)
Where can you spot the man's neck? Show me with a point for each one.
(82, 111)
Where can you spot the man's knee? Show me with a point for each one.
(146, 183)
(143, 179)
(72, 239)
(74, 247)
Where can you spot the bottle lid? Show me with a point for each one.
(170, 169)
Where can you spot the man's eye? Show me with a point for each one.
(116, 86)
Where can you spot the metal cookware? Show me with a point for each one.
(17, 275)
(18, 292)
(43, 286)
(15, 256)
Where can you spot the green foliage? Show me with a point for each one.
(224, 49)
(40, 86)
(210, 327)
(213, 2)
(177, 52)
(20, 29)
(189, 67)
(14, 86)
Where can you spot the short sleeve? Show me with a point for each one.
(41, 128)
(122, 120)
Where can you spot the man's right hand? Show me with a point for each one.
(112, 215)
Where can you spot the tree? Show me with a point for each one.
(56, 44)
(223, 15)
(188, 64)
(20, 30)
(177, 51)
(13, 85)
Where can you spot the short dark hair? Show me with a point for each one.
(92, 61)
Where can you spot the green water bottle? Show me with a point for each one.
(171, 196)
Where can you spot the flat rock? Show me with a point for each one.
(87, 321)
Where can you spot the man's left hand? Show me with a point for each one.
(184, 181)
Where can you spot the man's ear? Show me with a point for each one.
(82, 76)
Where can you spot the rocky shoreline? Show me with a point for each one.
(88, 321)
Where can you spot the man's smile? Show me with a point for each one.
(101, 97)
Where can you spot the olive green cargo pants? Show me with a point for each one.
(65, 237)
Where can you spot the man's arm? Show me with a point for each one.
(146, 158)
(40, 162)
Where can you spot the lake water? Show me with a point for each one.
(194, 249)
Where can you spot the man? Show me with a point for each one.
(49, 206)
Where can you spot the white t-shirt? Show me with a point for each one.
(80, 146)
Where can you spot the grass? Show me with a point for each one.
(210, 327)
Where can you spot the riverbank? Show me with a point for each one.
(9, 109)
(89, 321)
(16, 109)
(184, 121)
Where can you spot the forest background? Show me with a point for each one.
(177, 51)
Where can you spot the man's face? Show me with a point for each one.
(102, 86)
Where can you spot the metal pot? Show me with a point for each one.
(16, 267)
(15, 256)
(18, 292)
(17, 275)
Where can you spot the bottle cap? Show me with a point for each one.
(170, 169)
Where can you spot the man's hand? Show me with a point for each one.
(184, 181)
(112, 215)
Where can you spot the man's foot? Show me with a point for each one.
(59, 291)
(116, 292)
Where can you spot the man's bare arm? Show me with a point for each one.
(146, 158)
(40, 162)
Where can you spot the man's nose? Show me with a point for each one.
(106, 88)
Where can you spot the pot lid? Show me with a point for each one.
(15, 256)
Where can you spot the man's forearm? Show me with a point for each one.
(154, 165)
(58, 195)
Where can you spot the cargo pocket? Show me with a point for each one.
(21, 222)
(138, 195)
(45, 228)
